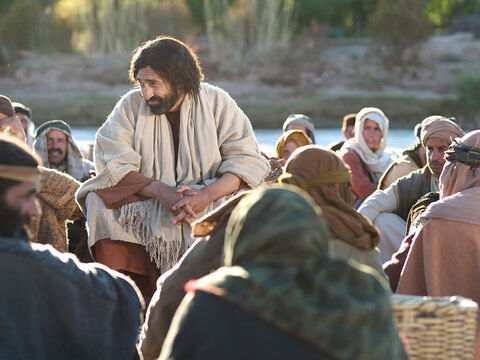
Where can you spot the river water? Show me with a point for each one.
(398, 139)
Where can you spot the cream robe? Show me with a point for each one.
(215, 137)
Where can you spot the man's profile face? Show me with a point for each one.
(56, 146)
(435, 150)
(372, 134)
(160, 96)
(17, 205)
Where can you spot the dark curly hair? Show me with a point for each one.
(172, 60)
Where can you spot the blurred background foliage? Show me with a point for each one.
(109, 26)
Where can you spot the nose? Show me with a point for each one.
(32, 208)
(147, 92)
(437, 155)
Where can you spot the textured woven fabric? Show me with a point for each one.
(278, 268)
(332, 194)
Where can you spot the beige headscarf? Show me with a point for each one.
(439, 127)
(459, 189)
(378, 161)
(299, 137)
(326, 178)
(74, 155)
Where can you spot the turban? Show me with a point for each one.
(6, 107)
(299, 137)
(439, 127)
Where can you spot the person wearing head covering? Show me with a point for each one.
(445, 252)
(280, 295)
(300, 122)
(54, 307)
(289, 141)
(55, 145)
(327, 179)
(171, 150)
(412, 159)
(24, 114)
(202, 258)
(388, 209)
(9, 124)
(365, 153)
(348, 131)
(56, 195)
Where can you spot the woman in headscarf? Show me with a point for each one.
(365, 153)
(290, 141)
(445, 251)
(280, 295)
(327, 179)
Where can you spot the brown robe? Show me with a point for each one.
(444, 260)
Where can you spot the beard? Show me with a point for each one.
(163, 105)
(12, 223)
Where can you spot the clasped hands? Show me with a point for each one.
(185, 202)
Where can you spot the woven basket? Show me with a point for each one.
(436, 327)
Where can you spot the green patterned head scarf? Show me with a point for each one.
(277, 267)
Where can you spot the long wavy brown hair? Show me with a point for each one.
(173, 60)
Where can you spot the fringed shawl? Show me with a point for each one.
(215, 137)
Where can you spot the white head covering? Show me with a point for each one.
(378, 161)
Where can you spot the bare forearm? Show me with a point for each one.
(224, 186)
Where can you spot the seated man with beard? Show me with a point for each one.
(58, 150)
(55, 191)
(445, 253)
(53, 307)
(388, 209)
(171, 150)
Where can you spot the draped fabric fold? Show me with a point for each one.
(277, 267)
(326, 178)
(215, 137)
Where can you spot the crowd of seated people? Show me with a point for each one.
(200, 247)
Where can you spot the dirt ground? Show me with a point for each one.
(324, 78)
